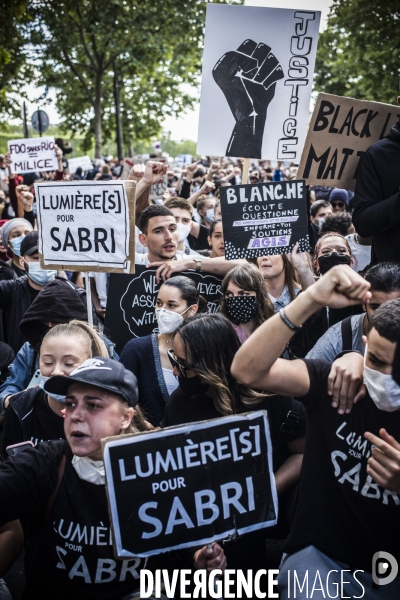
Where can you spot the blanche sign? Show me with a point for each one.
(190, 485)
(83, 224)
(32, 154)
(265, 218)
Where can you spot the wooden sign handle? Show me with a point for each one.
(245, 174)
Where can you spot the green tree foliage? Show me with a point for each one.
(358, 53)
(14, 69)
(154, 47)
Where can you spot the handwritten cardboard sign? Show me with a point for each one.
(190, 485)
(340, 132)
(131, 302)
(30, 155)
(265, 218)
(85, 225)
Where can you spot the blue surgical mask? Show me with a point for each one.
(210, 215)
(16, 245)
(38, 275)
(57, 397)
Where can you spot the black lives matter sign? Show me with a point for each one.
(131, 302)
(265, 218)
(190, 485)
(340, 132)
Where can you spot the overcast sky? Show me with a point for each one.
(185, 127)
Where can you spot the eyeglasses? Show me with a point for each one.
(340, 251)
(338, 204)
(182, 368)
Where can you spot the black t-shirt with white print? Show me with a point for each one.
(341, 510)
(71, 555)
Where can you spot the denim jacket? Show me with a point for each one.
(24, 366)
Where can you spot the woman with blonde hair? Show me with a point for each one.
(34, 416)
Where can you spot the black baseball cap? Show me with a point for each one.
(102, 372)
(30, 244)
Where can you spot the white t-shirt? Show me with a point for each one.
(362, 254)
(170, 380)
(143, 259)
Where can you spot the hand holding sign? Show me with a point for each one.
(210, 558)
(248, 79)
(24, 196)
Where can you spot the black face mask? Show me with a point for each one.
(241, 309)
(327, 262)
(192, 385)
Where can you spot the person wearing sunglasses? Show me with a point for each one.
(146, 356)
(339, 200)
(201, 357)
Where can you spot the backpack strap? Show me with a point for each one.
(347, 334)
(61, 469)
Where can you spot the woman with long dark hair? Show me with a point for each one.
(245, 299)
(203, 350)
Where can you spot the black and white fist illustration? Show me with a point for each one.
(247, 76)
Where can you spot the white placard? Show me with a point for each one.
(257, 81)
(80, 161)
(83, 223)
(31, 155)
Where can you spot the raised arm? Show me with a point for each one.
(257, 363)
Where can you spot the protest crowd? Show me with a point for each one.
(310, 337)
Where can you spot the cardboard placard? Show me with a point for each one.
(131, 302)
(265, 218)
(86, 225)
(256, 81)
(80, 161)
(190, 485)
(340, 132)
(30, 155)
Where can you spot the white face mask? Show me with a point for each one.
(382, 388)
(210, 215)
(319, 222)
(183, 231)
(168, 320)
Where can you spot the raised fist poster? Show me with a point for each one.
(258, 67)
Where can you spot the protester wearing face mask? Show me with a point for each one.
(318, 213)
(205, 208)
(245, 300)
(331, 250)
(191, 235)
(12, 234)
(384, 279)
(33, 415)
(202, 354)
(147, 357)
(18, 294)
(343, 498)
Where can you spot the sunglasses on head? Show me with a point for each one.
(182, 368)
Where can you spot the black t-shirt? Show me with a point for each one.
(70, 552)
(201, 242)
(182, 409)
(341, 510)
(33, 293)
(247, 551)
(34, 421)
